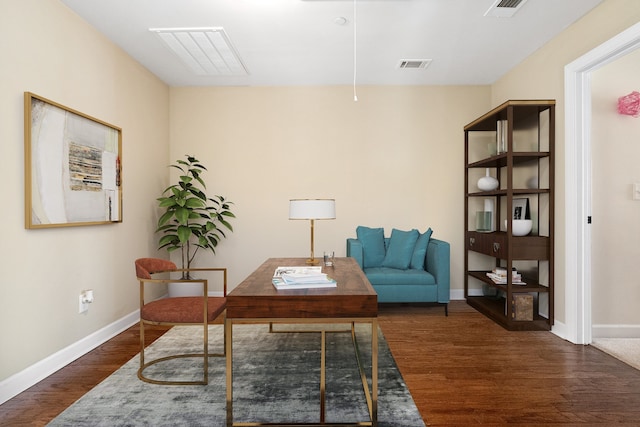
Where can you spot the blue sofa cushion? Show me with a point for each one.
(400, 249)
(420, 250)
(372, 245)
(394, 276)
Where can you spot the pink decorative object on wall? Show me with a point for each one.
(630, 104)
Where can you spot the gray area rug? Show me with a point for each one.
(276, 379)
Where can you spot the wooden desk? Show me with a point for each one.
(354, 300)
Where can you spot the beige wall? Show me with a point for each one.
(541, 76)
(615, 149)
(48, 50)
(392, 159)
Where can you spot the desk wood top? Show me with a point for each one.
(256, 297)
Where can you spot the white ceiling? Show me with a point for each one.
(297, 42)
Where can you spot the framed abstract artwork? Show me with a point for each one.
(73, 167)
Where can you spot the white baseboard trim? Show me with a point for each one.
(458, 294)
(600, 331)
(35, 373)
(560, 329)
(615, 331)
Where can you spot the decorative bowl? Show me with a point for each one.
(520, 227)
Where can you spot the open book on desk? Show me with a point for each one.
(301, 278)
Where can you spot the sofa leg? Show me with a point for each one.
(446, 310)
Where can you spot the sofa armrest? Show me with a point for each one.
(438, 263)
(354, 250)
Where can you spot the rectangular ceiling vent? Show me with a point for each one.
(419, 64)
(205, 51)
(505, 8)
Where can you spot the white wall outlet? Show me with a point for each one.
(85, 298)
(636, 191)
(82, 306)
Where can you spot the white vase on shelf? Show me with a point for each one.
(487, 182)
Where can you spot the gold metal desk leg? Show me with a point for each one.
(228, 326)
(372, 398)
(374, 372)
(323, 367)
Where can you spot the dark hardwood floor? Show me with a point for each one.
(464, 370)
(461, 370)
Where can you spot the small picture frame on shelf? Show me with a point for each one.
(520, 208)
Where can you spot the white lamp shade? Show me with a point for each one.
(312, 209)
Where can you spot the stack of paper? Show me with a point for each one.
(301, 278)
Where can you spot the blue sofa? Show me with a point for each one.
(405, 267)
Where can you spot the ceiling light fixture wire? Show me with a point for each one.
(355, 51)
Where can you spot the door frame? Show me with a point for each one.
(577, 238)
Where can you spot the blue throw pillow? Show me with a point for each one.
(400, 249)
(420, 250)
(372, 245)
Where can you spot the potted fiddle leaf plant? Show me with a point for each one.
(191, 220)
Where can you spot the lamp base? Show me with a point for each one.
(313, 261)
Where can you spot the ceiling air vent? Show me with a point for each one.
(419, 64)
(206, 51)
(504, 8)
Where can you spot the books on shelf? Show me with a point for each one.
(503, 280)
(301, 278)
(501, 136)
(499, 276)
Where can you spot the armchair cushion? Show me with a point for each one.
(420, 250)
(182, 309)
(145, 267)
(393, 276)
(400, 250)
(372, 245)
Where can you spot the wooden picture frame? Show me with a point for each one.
(73, 167)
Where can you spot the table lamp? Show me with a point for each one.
(312, 209)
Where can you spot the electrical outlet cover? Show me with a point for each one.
(82, 306)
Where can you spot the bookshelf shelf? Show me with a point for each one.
(525, 131)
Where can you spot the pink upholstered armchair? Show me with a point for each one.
(196, 310)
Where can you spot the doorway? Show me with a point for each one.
(578, 291)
